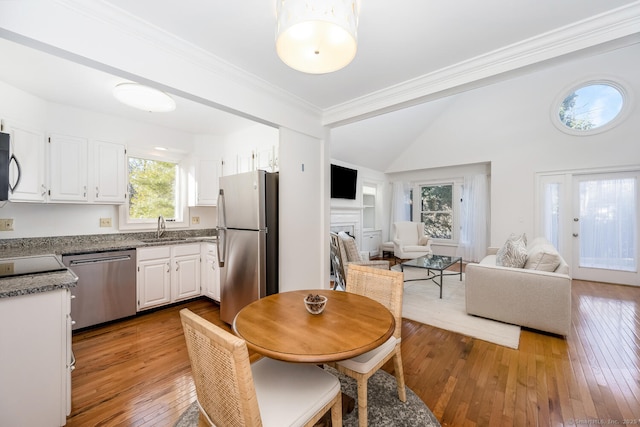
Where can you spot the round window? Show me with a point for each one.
(590, 107)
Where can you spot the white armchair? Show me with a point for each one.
(409, 240)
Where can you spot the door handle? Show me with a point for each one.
(14, 159)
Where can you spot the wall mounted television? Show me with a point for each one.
(343, 182)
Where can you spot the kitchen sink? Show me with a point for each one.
(165, 240)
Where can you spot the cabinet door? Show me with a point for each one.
(210, 273)
(371, 241)
(267, 159)
(28, 146)
(68, 168)
(154, 283)
(110, 172)
(207, 182)
(33, 372)
(185, 277)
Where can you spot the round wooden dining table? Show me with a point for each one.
(279, 326)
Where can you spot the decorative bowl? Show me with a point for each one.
(315, 304)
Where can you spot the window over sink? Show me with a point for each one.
(155, 188)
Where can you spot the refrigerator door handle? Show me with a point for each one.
(221, 253)
(222, 219)
(222, 226)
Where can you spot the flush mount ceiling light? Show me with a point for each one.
(317, 36)
(144, 98)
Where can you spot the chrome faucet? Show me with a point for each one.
(161, 226)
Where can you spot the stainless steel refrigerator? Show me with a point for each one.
(247, 240)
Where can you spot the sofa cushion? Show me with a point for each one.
(543, 257)
(514, 252)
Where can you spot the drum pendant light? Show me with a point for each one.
(317, 36)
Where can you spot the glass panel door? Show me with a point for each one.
(605, 229)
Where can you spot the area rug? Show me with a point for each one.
(384, 407)
(421, 303)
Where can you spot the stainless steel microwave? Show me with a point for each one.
(5, 160)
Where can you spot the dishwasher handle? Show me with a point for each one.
(99, 260)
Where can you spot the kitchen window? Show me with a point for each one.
(154, 189)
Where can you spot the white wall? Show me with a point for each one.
(304, 264)
(508, 125)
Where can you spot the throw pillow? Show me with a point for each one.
(513, 253)
(543, 257)
(349, 247)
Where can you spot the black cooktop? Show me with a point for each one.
(20, 266)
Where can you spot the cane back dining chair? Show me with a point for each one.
(233, 392)
(386, 287)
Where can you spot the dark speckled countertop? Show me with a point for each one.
(73, 245)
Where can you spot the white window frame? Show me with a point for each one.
(182, 210)
(455, 205)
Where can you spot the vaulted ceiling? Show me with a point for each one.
(410, 53)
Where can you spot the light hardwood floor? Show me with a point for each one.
(136, 372)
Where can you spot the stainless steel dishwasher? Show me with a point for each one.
(106, 288)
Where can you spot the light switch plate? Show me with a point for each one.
(105, 222)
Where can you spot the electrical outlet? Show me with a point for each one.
(195, 220)
(105, 222)
(6, 224)
(6, 268)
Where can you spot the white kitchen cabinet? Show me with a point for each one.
(35, 359)
(267, 159)
(167, 274)
(204, 184)
(110, 172)
(210, 274)
(371, 241)
(245, 162)
(28, 145)
(185, 277)
(154, 276)
(67, 169)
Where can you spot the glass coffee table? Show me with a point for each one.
(435, 266)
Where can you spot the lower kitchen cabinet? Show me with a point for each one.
(210, 272)
(185, 274)
(35, 359)
(167, 274)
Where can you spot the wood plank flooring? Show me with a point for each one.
(136, 372)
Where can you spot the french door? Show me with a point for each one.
(593, 218)
(604, 227)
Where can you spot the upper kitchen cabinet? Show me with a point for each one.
(70, 159)
(28, 145)
(110, 178)
(203, 182)
(262, 158)
(68, 169)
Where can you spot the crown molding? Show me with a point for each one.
(132, 26)
(597, 30)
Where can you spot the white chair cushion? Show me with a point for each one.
(367, 361)
(289, 394)
(407, 232)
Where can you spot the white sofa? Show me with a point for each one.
(525, 296)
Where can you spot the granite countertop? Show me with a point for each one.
(36, 283)
(74, 245)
